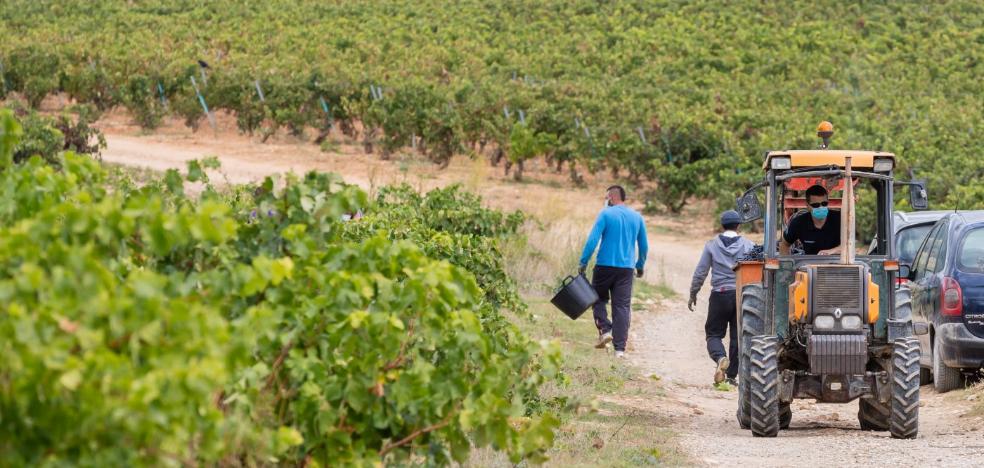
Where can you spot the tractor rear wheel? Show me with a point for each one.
(763, 386)
(873, 414)
(903, 310)
(785, 415)
(925, 376)
(904, 418)
(752, 324)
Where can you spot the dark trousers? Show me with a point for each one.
(722, 316)
(614, 283)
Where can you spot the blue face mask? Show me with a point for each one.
(820, 213)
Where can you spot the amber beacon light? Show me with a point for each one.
(825, 130)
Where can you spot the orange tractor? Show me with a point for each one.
(832, 328)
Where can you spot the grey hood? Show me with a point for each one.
(720, 257)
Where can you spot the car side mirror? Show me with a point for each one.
(748, 206)
(918, 198)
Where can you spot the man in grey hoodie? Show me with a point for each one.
(720, 256)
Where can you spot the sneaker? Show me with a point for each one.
(620, 354)
(603, 340)
(719, 372)
(733, 381)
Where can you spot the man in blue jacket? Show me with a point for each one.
(620, 229)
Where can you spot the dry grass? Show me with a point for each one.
(543, 254)
(611, 425)
(975, 395)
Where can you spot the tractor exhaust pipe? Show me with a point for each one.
(847, 216)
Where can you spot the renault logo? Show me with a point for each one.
(838, 313)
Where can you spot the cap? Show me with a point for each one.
(730, 217)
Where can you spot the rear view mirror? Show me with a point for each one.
(918, 198)
(905, 271)
(748, 206)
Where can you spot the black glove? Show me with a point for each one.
(581, 269)
(638, 272)
(692, 302)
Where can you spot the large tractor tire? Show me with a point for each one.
(903, 309)
(763, 386)
(873, 414)
(944, 378)
(904, 418)
(752, 324)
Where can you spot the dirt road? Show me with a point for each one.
(672, 347)
(669, 344)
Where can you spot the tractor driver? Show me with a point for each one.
(817, 229)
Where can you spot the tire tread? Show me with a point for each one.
(904, 418)
(752, 324)
(763, 386)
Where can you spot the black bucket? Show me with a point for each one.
(575, 296)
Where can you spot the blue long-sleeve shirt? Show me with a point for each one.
(619, 228)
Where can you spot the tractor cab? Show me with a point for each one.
(825, 325)
(794, 194)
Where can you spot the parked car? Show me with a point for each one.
(910, 230)
(947, 283)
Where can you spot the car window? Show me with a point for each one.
(923, 253)
(908, 241)
(971, 253)
(937, 257)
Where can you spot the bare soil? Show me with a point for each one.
(669, 344)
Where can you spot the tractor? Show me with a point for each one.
(836, 327)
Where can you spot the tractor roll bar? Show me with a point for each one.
(830, 172)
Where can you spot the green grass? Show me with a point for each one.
(329, 146)
(642, 290)
(607, 423)
(669, 230)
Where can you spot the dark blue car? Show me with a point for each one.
(947, 282)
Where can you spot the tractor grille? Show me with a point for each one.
(837, 288)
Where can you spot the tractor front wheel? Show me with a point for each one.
(763, 386)
(904, 418)
(752, 324)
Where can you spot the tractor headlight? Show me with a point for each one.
(781, 163)
(884, 165)
(851, 322)
(824, 321)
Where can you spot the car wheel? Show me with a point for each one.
(944, 378)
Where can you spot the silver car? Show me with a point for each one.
(910, 230)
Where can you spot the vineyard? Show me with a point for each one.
(677, 97)
(168, 320)
(253, 325)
